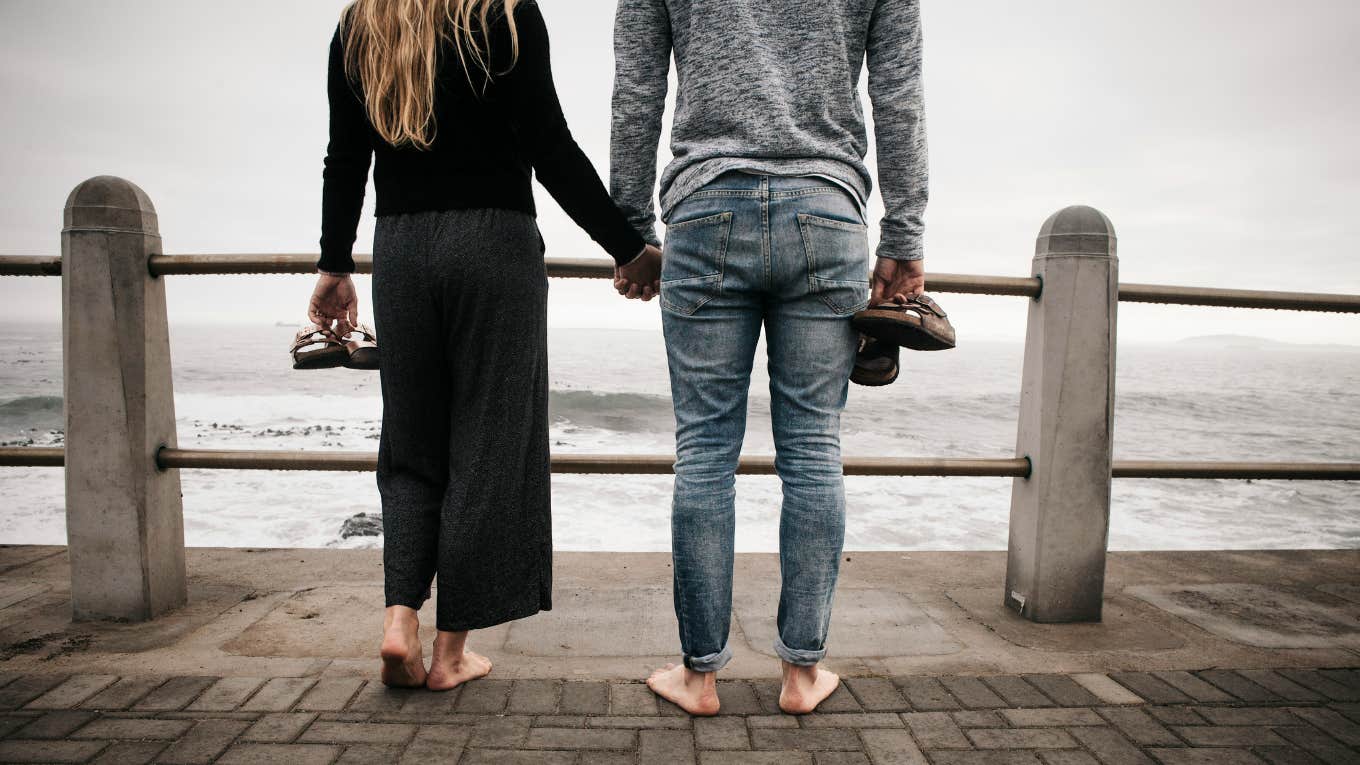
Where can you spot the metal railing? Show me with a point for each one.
(1062, 467)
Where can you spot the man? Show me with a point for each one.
(764, 205)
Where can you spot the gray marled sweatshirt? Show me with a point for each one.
(771, 86)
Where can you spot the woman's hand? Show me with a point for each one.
(334, 301)
(641, 278)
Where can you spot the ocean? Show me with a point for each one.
(1209, 399)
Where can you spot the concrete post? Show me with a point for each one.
(1060, 515)
(124, 519)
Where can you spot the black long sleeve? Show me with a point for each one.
(491, 137)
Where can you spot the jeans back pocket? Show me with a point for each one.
(692, 266)
(838, 261)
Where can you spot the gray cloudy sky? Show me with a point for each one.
(1219, 135)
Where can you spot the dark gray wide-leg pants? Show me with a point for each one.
(460, 307)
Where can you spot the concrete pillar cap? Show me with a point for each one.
(1077, 230)
(110, 203)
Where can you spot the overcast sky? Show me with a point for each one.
(1218, 135)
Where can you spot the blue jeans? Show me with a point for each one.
(791, 254)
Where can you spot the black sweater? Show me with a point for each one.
(487, 145)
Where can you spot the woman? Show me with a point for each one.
(455, 99)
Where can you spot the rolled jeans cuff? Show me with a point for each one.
(797, 657)
(710, 663)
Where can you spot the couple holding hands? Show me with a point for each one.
(453, 104)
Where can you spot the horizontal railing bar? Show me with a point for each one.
(661, 464)
(598, 268)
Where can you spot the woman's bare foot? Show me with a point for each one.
(694, 692)
(402, 664)
(452, 664)
(805, 687)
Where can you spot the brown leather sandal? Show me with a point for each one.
(876, 363)
(316, 347)
(361, 346)
(919, 324)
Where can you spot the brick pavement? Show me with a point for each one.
(1172, 718)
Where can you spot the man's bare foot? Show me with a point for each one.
(694, 692)
(452, 664)
(805, 687)
(402, 663)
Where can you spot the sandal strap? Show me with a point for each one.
(312, 335)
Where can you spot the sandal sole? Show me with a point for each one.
(889, 327)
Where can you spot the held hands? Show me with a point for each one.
(641, 278)
(334, 301)
(896, 280)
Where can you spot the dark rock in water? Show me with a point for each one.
(362, 525)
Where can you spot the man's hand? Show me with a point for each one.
(897, 280)
(640, 279)
(334, 300)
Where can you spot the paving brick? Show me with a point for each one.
(279, 694)
(1138, 726)
(972, 693)
(1332, 723)
(1051, 718)
(1204, 757)
(805, 740)
(1176, 715)
(1063, 690)
(1016, 691)
(129, 753)
(631, 699)
(738, 697)
(563, 721)
(1066, 757)
(1240, 687)
(1285, 755)
(978, 718)
(1283, 687)
(1248, 715)
(1150, 688)
(1192, 686)
(353, 716)
(58, 724)
(613, 758)
(581, 738)
(584, 698)
(1224, 735)
(771, 721)
(1105, 689)
(721, 733)
(24, 689)
(840, 700)
(852, 720)
(511, 757)
(330, 694)
(926, 694)
(70, 693)
(436, 743)
(1347, 677)
(1109, 746)
(376, 697)
(534, 697)
(280, 754)
(877, 694)
(367, 754)
(357, 733)
(484, 697)
(226, 694)
(767, 691)
(755, 758)
(638, 723)
(665, 746)
(936, 730)
(430, 703)
(985, 757)
(114, 728)
(123, 693)
(279, 727)
(1318, 744)
(206, 741)
(1315, 681)
(21, 750)
(1020, 738)
(175, 693)
(840, 758)
(501, 732)
(9, 724)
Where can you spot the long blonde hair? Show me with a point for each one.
(391, 48)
